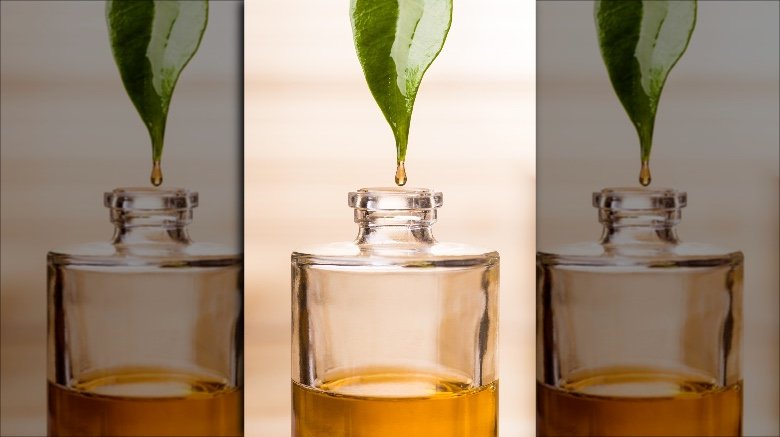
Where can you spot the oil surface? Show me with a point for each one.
(638, 404)
(144, 402)
(395, 404)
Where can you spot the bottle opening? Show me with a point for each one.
(395, 199)
(150, 199)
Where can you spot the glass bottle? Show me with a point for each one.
(145, 333)
(394, 333)
(639, 334)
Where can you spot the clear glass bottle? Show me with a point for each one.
(394, 333)
(639, 334)
(145, 333)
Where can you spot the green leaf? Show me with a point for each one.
(396, 42)
(152, 41)
(641, 40)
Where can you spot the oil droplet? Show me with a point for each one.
(400, 174)
(644, 174)
(156, 174)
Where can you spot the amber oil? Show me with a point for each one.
(632, 403)
(395, 404)
(143, 403)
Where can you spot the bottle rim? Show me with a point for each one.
(150, 199)
(394, 199)
(639, 199)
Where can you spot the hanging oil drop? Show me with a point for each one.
(157, 176)
(400, 174)
(644, 174)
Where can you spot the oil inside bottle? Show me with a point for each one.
(644, 174)
(381, 403)
(143, 402)
(400, 174)
(157, 176)
(632, 402)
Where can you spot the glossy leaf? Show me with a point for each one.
(396, 42)
(641, 40)
(152, 41)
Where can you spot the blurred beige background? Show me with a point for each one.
(716, 137)
(314, 133)
(69, 133)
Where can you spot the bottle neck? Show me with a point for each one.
(616, 233)
(639, 217)
(395, 228)
(146, 217)
(152, 229)
(396, 218)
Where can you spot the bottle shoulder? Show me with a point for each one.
(108, 254)
(353, 254)
(661, 255)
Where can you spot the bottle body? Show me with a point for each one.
(145, 333)
(394, 333)
(639, 334)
